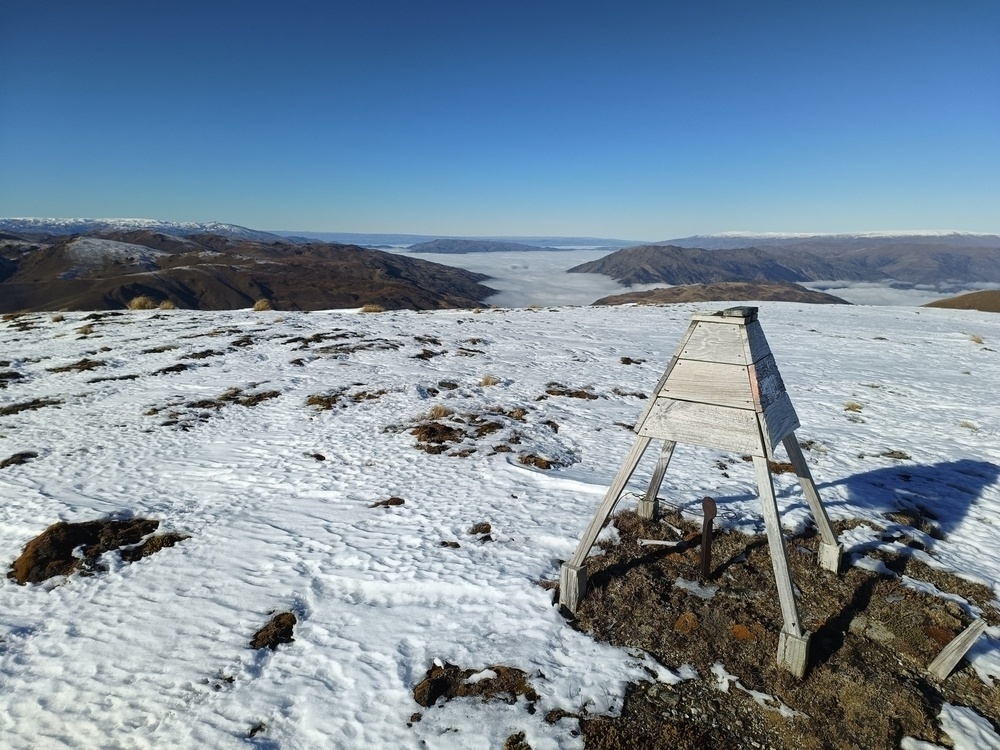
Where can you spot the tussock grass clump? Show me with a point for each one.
(853, 406)
(262, 305)
(969, 425)
(167, 305)
(372, 308)
(488, 380)
(58, 318)
(439, 412)
(142, 302)
(976, 339)
(85, 330)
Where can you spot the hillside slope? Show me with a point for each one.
(212, 272)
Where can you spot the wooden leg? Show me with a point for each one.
(830, 550)
(793, 643)
(648, 505)
(573, 571)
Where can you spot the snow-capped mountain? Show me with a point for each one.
(178, 228)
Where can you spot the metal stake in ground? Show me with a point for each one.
(709, 511)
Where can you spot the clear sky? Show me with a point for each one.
(637, 120)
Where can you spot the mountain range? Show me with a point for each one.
(102, 270)
(940, 259)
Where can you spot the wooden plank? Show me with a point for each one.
(572, 586)
(710, 426)
(755, 343)
(709, 383)
(826, 532)
(715, 343)
(609, 501)
(952, 654)
(666, 374)
(777, 422)
(710, 318)
(776, 544)
(648, 505)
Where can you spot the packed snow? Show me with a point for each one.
(276, 498)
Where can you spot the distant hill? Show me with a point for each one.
(986, 301)
(406, 240)
(936, 259)
(214, 272)
(59, 227)
(473, 246)
(727, 291)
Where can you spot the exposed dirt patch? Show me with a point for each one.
(388, 503)
(277, 631)
(631, 361)
(81, 366)
(483, 527)
(179, 367)
(428, 354)
(35, 403)
(629, 394)
(18, 459)
(65, 548)
(327, 401)
(185, 415)
(539, 462)
(495, 682)
(152, 545)
(872, 639)
(9, 376)
(558, 389)
(131, 376)
(204, 354)
(159, 349)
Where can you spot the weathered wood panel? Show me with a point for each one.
(778, 422)
(711, 342)
(755, 343)
(666, 374)
(709, 383)
(710, 426)
(766, 384)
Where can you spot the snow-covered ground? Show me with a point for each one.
(155, 653)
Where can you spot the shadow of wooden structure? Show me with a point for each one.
(721, 390)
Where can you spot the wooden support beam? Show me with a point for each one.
(793, 643)
(830, 550)
(570, 598)
(952, 654)
(649, 506)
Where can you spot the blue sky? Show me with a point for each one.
(637, 120)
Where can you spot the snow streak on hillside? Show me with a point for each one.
(178, 228)
(275, 493)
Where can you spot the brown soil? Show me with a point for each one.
(82, 365)
(481, 528)
(388, 503)
(558, 389)
(277, 631)
(631, 361)
(450, 681)
(18, 458)
(9, 376)
(204, 354)
(872, 639)
(35, 403)
(51, 553)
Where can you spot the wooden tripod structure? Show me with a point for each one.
(721, 390)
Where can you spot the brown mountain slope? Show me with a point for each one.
(728, 291)
(650, 264)
(210, 272)
(986, 301)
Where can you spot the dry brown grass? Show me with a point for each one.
(262, 305)
(85, 330)
(968, 425)
(372, 308)
(488, 380)
(872, 638)
(142, 302)
(58, 318)
(853, 406)
(439, 411)
(976, 339)
(167, 305)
